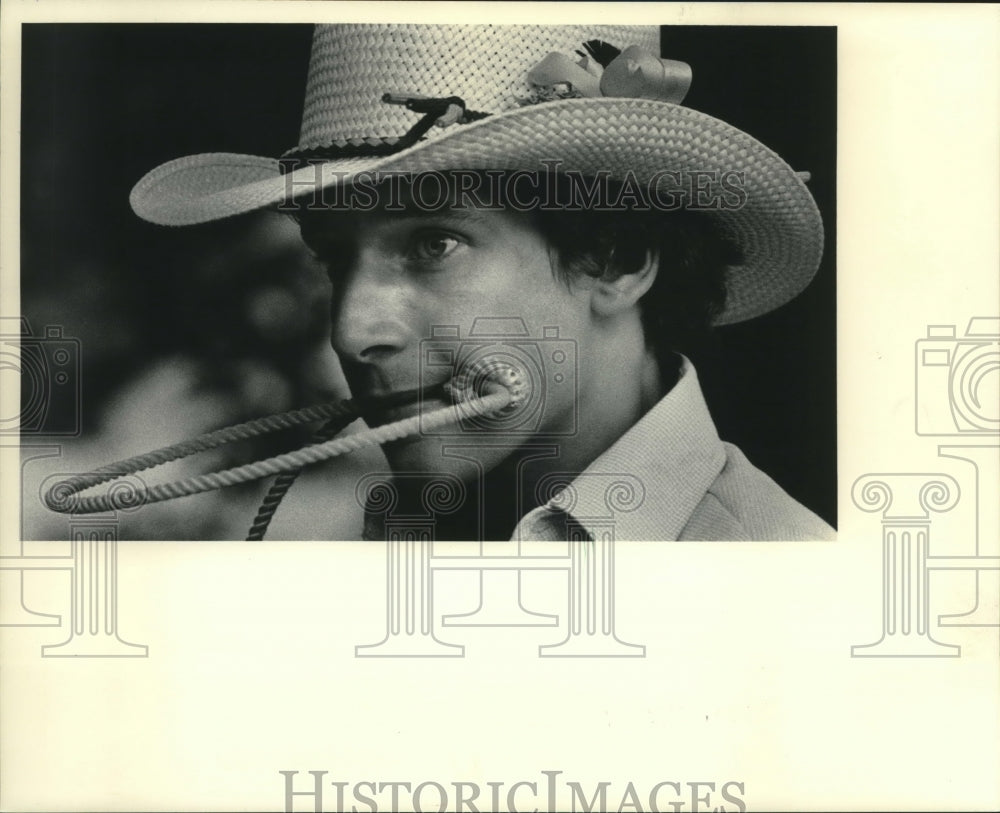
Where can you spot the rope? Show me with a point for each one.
(64, 497)
(284, 481)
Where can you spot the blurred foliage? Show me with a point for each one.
(181, 330)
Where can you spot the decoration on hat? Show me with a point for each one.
(442, 112)
(605, 71)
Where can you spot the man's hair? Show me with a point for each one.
(689, 291)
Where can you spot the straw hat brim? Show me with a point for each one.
(778, 227)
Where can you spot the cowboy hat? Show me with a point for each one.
(597, 99)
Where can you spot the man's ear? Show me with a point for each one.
(619, 291)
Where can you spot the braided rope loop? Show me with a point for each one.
(64, 497)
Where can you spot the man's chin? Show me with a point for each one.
(435, 454)
(418, 453)
(376, 418)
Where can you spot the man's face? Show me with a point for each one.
(398, 275)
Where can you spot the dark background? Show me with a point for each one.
(183, 330)
(771, 382)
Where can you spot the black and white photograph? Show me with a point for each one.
(636, 223)
(499, 406)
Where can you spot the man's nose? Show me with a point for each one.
(369, 312)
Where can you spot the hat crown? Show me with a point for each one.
(352, 66)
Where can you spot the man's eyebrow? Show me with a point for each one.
(328, 233)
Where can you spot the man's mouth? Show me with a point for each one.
(381, 409)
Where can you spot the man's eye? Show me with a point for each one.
(433, 246)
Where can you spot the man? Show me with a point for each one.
(581, 206)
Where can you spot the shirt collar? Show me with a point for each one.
(647, 484)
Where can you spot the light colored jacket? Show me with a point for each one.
(671, 477)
